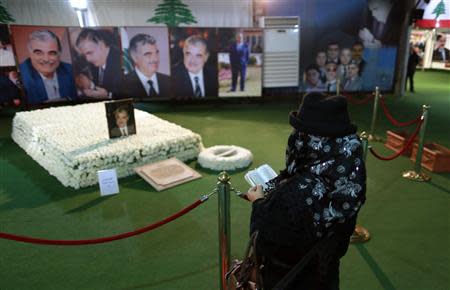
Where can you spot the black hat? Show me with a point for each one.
(323, 115)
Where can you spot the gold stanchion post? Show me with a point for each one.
(416, 174)
(372, 136)
(223, 189)
(361, 234)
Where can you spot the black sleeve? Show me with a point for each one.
(282, 217)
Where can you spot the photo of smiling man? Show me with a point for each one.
(196, 75)
(45, 76)
(146, 62)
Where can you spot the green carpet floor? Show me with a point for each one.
(409, 221)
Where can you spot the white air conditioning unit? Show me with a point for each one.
(281, 51)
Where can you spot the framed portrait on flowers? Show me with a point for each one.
(120, 116)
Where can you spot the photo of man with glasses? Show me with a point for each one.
(331, 73)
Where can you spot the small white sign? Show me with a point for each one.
(107, 179)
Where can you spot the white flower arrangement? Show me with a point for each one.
(225, 157)
(72, 142)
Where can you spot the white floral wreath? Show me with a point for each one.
(225, 157)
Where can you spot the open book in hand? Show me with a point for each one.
(260, 175)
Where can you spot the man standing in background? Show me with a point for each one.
(413, 61)
(145, 81)
(239, 56)
(45, 77)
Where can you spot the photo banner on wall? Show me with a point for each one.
(146, 62)
(240, 61)
(193, 56)
(354, 43)
(97, 62)
(10, 84)
(45, 64)
(441, 49)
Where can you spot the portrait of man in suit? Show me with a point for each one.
(45, 77)
(104, 62)
(192, 78)
(333, 52)
(441, 53)
(357, 55)
(145, 81)
(353, 81)
(239, 57)
(382, 23)
(121, 120)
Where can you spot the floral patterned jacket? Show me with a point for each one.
(324, 184)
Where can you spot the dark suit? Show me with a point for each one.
(112, 76)
(239, 56)
(34, 85)
(413, 61)
(388, 32)
(352, 85)
(134, 88)
(8, 90)
(362, 64)
(181, 82)
(116, 133)
(437, 55)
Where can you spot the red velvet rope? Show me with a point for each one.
(393, 121)
(104, 239)
(407, 145)
(364, 101)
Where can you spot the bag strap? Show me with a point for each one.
(289, 277)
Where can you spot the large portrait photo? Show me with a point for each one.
(45, 65)
(146, 62)
(240, 60)
(357, 58)
(441, 49)
(193, 63)
(354, 49)
(97, 62)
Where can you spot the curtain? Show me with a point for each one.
(215, 13)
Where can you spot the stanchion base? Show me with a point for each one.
(360, 235)
(374, 138)
(412, 175)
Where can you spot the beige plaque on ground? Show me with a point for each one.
(167, 173)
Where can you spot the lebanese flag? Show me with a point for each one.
(436, 15)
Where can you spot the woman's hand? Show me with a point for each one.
(255, 193)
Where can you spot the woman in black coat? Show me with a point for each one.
(316, 197)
